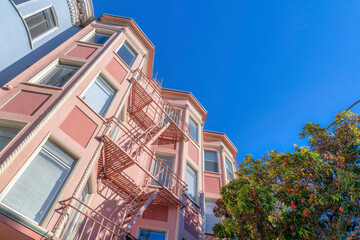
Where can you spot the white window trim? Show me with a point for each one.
(25, 3)
(209, 199)
(13, 123)
(40, 75)
(55, 28)
(218, 160)
(47, 217)
(108, 81)
(193, 166)
(165, 154)
(85, 38)
(131, 45)
(197, 141)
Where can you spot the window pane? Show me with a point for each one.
(127, 54)
(99, 95)
(163, 177)
(191, 181)
(151, 235)
(210, 218)
(99, 38)
(193, 130)
(7, 133)
(229, 169)
(17, 2)
(74, 221)
(211, 161)
(40, 22)
(36, 188)
(59, 75)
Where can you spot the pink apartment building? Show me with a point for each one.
(93, 148)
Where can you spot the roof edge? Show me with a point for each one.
(225, 139)
(188, 95)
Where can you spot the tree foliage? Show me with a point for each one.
(310, 193)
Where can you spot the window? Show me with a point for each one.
(74, 222)
(18, 2)
(7, 133)
(58, 75)
(210, 218)
(99, 95)
(163, 177)
(98, 38)
(193, 129)
(127, 54)
(229, 169)
(211, 161)
(191, 181)
(38, 185)
(151, 235)
(41, 22)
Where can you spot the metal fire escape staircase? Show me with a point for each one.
(126, 146)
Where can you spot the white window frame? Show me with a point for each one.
(232, 167)
(132, 48)
(217, 157)
(28, 222)
(24, 3)
(96, 30)
(159, 154)
(197, 129)
(43, 35)
(188, 163)
(208, 200)
(109, 82)
(14, 124)
(40, 75)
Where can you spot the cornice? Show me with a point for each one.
(224, 138)
(186, 96)
(81, 12)
(131, 24)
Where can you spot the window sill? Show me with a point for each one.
(215, 173)
(45, 34)
(43, 86)
(101, 117)
(92, 44)
(25, 222)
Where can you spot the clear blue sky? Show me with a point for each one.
(262, 69)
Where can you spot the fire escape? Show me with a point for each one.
(127, 151)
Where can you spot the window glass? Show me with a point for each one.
(211, 161)
(210, 218)
(163, 177)
(191, 181)
(193, 129)
(99, 38)
(7, 133)
(99, 95)
(40, 22)
(151, 235)
(36, 188)
(17, 2)
(74, 222)
(59, 75)
(229, 169)
(127, 54)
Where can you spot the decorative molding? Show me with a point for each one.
(81, 11)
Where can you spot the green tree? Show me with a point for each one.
(310, 193)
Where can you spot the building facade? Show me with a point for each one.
(92, 147)
(33, 28)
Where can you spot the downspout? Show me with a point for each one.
(203, 182)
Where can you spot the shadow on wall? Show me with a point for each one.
(19, 66)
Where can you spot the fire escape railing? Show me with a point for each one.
(143, 157)
(86, 223)
(154, 90)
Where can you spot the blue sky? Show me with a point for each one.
(262, 69)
